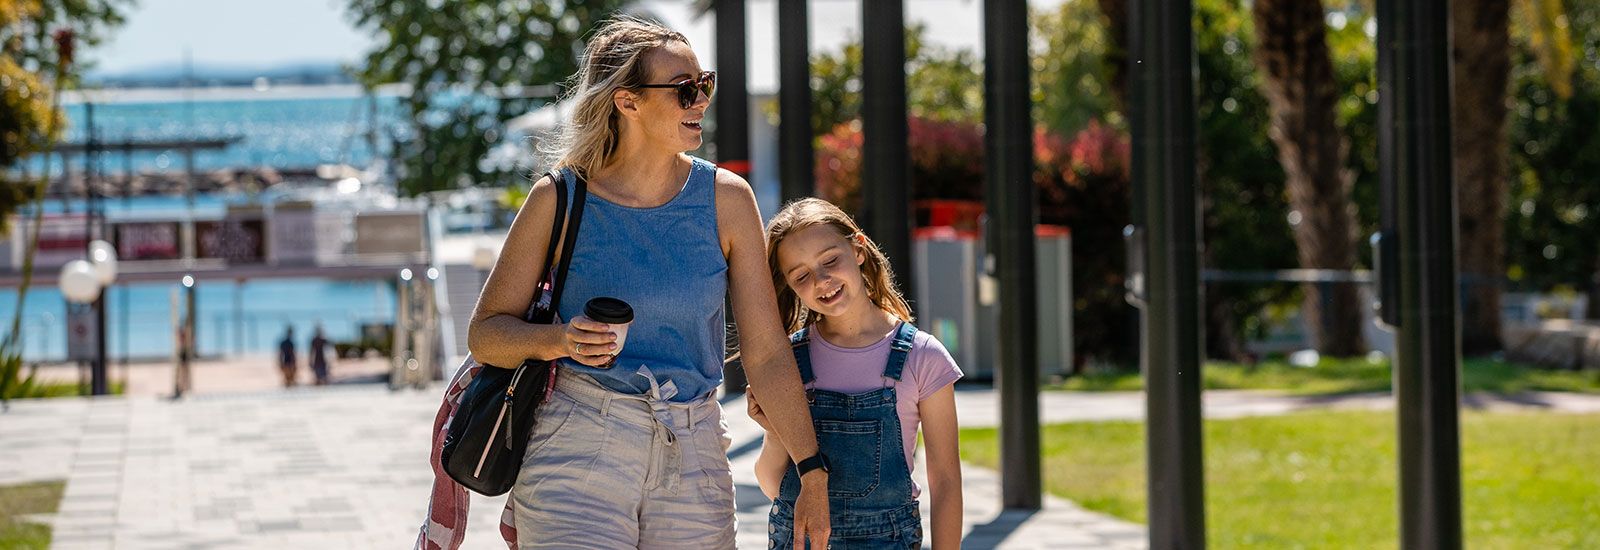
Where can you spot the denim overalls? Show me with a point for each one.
(869, 487)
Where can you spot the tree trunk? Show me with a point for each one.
(1292, 55)
(1481, 45)
(1591, 309)
(1116, 57)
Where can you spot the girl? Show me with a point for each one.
(630, 451)
(870, 376)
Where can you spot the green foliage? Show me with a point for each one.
(1071, 78)
(472, 65)
(1328, 478)
(13, 385)
(942, 84)
(1554, 207)
(29, 64)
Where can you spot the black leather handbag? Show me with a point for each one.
(489, 435)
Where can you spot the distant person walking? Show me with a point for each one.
(319, 356)
(286, 358)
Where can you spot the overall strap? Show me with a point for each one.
(800, 341)
(899, 350)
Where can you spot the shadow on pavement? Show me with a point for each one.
(990, 535)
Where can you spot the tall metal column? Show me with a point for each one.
(733, 97)
(885, 162)
(1010, 197)
(1164, 152)
(733, 122)
(1423, 221)
(796, 158)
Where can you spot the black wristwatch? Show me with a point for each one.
(818, 460)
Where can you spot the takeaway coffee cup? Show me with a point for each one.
(611, 311)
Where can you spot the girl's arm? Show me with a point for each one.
(771, 466)
(764, 348)
(941, 439)
(498, 335)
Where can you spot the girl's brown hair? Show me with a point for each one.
(614, 60)
(875, 271)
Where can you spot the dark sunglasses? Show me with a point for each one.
(690, 89)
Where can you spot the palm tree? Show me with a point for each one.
(1298, 82)
(1481, 44)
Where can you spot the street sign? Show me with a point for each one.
(81, 333)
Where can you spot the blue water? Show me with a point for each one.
(276, 132)
(263, 310)
(234, 318)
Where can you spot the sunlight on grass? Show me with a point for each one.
(1327, 479)
(20, 500)
(1356, 375)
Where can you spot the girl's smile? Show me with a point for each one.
(823, 269)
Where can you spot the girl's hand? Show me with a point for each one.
(588, 342)
(756, 413)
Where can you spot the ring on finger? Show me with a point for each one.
(578, 348)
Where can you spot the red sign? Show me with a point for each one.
(147, 241)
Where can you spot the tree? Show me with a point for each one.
(1555, 153)
(1481, 40)
(471, 67)
(942, 84)
(1298, 82)
(36, 39)
(28, 70)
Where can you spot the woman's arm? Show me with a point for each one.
(941, 437)
(498, 335)
(764, 348)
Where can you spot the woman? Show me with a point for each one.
(630, 450)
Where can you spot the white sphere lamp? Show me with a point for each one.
(79, 282)
(104, 259)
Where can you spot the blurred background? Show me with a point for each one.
(185, 182)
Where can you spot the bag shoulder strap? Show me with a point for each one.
(574, 219)
(541, 278)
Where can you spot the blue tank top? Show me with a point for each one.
(667, 263)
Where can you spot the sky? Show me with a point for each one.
(242, 33)
(267, 33)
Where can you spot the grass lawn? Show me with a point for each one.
(1327, 479)
(31, 498)
(70, 389)
(1332, 376)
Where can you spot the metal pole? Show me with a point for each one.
(98, 383)
(885, 161)
(1011, 204)
(733, 121)
(1164, 152)
(238, 316)
(733, 98)
(1426, 373)
(796, 158)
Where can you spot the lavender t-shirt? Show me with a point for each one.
(929, 368)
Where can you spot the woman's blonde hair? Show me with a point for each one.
(875, 271)
(613, 60)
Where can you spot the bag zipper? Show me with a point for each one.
(503, 417)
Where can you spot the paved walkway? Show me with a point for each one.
(345, 466)
(342, 467)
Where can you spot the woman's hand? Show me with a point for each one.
(589, 342)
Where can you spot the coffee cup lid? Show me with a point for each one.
(607, 310)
